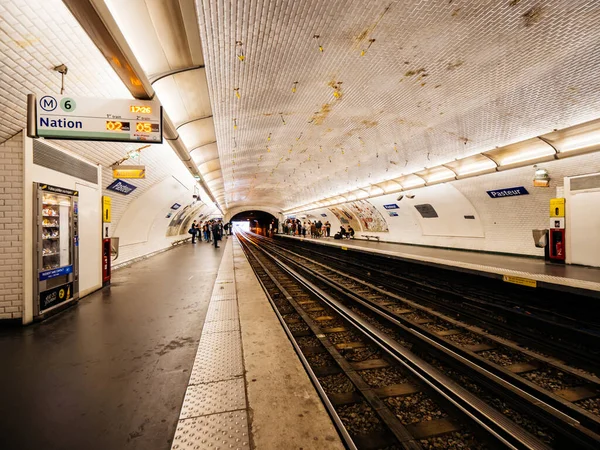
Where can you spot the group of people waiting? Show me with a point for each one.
(315, 229)
(209, 231)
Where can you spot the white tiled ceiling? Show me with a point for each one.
(443, 79)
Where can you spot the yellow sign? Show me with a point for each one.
(520, 280)
(557, 207)
(132, 172)
(106, 201)
(344, 248)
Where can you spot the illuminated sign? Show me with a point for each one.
(95, 119)
(557, 207)
(130, 172)
(106, 203)
(121, 187)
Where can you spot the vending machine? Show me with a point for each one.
(55, 248)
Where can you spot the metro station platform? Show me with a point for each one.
(553, 276)
(183, 351)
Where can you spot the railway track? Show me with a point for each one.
(489, 303)
(389, 384)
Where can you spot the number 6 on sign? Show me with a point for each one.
(67, 104)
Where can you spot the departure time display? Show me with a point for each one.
(116, 125)
(141, 127)
(140, 109)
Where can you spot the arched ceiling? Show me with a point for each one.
(272, 122)
(398, 86)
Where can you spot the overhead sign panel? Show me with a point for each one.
(130, 172)
(122, 187)
(94, 119)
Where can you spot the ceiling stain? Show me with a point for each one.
(533, 16)
(27, 42)
(411, 73)
(363, 35)
(322, 114)
(370, 123)
(454, 65)
(514, 2)
(411, 123)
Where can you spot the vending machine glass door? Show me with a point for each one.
(56, 231)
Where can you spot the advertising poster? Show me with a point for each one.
(345, 217)
(370, 219)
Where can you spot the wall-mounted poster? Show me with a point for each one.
(370, 218)
(345, 217)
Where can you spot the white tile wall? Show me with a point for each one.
(507, 222)
(11, 226)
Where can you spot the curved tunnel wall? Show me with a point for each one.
(498, 225)
(144, 225)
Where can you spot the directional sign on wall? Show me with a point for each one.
(94, 119)
(122, 187)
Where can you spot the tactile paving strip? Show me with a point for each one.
(211, 398)
(219, 357)
(223, 291)
(225, 430)
(223, 310)
(220, 326)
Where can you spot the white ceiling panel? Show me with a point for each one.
(184, 96)
(438, 81)
(205, 153)
(197, 133)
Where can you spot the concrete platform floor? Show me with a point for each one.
(285, 410)
(110, 373)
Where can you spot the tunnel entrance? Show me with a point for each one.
(259, 222)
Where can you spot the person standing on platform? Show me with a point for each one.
(193, 231)
(328, 228)
(216, 228)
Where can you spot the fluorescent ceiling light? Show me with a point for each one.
(472, 165)
(376, 190)
(390, 186)
(437, 174)
(410, 181)
(360, 194)
(580, 138)
(531, 150)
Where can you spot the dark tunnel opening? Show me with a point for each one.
(259, 222)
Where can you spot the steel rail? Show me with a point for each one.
(486, 417)
(513, 386)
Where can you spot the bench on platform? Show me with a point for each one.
(371, 237)
(180, 241)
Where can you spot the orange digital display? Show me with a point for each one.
(140, 109)
(146, 127)
(115, 125)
